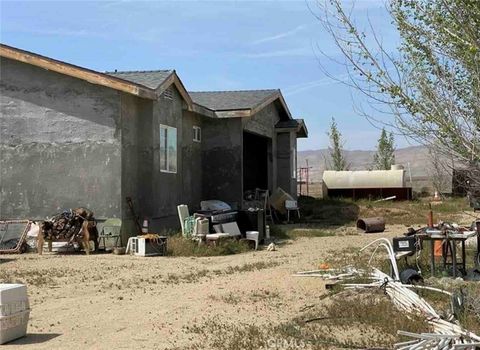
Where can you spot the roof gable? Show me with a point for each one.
(151, 79)
(245, 103)
(158, 80)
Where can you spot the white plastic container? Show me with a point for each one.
(14, 312)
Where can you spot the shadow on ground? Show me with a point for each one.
(34, 338)
(4, 260)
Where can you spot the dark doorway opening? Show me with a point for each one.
(255, 162)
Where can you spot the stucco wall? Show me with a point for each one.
(134, 113)
(192, 161)
(263, 122)
(59, 144)
(222, 159)
(161, 192)
(285, 141)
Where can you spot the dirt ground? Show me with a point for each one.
(126, 302)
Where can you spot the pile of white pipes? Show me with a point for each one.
(447, 335)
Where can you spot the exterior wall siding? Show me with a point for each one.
(161, 192)
(191, 161)
(59, 142)
(135, 112)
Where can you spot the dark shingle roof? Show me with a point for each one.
(230, 100)
(294, 123)
(151, 79)
(285, 124)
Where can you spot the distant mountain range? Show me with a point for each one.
(415, 159)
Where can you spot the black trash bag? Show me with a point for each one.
(410, 276)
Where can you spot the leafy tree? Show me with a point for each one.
(429, 89)
(337, 157)
(385, 156)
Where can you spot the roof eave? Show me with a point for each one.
(202, 110)
(302, 129)
(68, 69)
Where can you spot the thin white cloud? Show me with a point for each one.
(280, 53)
(280, 35)
(63, 32)
(295, 89)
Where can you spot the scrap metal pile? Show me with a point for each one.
(446, 334)
(67, 225)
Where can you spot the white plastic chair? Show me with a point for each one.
(291, 206)
(252, 236)
(183, 213)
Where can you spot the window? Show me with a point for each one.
(197, 134)
(168, 149)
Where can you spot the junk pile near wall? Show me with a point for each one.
(13, 234)
(446, 334)
(14, 312)
(67, 225)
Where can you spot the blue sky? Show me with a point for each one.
(219, 45)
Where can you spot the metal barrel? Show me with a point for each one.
(369, 225)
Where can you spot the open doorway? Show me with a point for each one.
(255, 162)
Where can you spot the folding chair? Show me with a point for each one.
(291, 206)
(111, 229)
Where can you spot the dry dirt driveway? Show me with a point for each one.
(127, 302)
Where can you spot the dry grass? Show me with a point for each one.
(196, 275)
(309, 231)
(348, 320)
(335, 212)
(415, 212)
(470, 319)
(37, 277)
(179, 246)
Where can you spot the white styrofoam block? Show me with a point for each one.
(13, 308)
(13, 299)
(14, 326)
(12, 292)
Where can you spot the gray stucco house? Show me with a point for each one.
(70, 137)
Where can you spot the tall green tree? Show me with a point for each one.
(429, 88)
(337, 157)
(384, 158)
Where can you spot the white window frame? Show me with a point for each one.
(164, 148)
(197, 134)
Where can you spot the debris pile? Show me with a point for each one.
(66, 225)
(446, 334)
